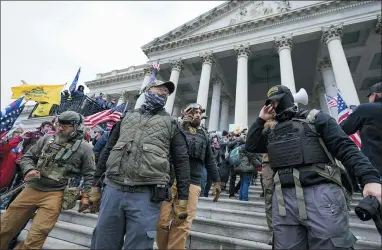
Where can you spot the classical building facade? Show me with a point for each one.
(227, 58)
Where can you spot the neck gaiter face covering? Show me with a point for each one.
(154, 101)
(285, 109)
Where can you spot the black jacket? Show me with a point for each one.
(338, 143)
(179, 157)
(367, 118)
(209, 163)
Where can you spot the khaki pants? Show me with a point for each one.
(267, 177)
(175, 236)
(21, 210)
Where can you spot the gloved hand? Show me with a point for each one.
(95, 200)
(180, 211)
(216, 190)
(84, 203)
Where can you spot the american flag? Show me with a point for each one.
(156, 67)
(7, 121)
(343, 113)
(14, 105)
(332, 101)
(104, 116)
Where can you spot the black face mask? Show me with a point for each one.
(287, 101)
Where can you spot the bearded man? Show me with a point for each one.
(48, 167)
(200, 154)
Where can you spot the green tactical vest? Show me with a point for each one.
(53, 158)
(141, 154)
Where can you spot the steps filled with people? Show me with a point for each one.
(226, 224)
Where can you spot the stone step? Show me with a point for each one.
(198, 240)
(74, 233)
(255, 205)
(255, 196)
(53, 243)
(253, 218)
(367, 234)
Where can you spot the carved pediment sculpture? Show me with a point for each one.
(283, 6)
(259, 9)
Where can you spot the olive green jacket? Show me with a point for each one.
(55, 176)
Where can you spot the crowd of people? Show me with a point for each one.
(144, 177)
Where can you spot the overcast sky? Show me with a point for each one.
(46, 42)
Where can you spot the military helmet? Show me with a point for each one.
(191, 107)
(70, 118)
(169, 85)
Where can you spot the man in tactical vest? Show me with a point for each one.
(309, 209)
(200, 153)
(52, 162)
(137, 158)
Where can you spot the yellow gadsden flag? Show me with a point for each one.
(42, 109)
(39, 93)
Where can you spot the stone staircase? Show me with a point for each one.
(226, 224)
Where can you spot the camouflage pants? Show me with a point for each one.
(267, 178)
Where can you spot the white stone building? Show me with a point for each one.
(227, 58)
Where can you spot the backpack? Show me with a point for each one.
(234, 156)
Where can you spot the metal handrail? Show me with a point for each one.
(82, 104)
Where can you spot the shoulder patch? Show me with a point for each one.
(311, 117)
(272, 91)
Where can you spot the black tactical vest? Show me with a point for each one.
(294, 144)
(197, 144)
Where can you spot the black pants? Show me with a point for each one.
(232, 188)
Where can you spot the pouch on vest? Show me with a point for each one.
(70, 198)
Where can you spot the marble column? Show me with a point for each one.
(213, 124)
(177, 66)
(224, 113)
(284, 48)
(332, 37)
(176, 110)
(141, 99)
(320, 92)
(204, 84)
(330, 87)
(241, 102)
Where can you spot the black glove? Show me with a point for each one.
(370, 208)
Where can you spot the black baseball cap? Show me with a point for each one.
(277, 92)
(376, 88)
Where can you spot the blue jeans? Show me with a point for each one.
(245, 179)
(125, 213)
(203, 180)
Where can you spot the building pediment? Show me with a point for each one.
(239, 16)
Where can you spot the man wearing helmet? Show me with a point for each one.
(200, 153)
(309, 209)
(48, 167)
(137, 158)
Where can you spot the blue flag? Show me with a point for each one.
(14, 105)
(72, 87)
(7, 121)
